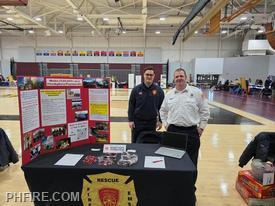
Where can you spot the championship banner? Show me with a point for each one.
(108, 189)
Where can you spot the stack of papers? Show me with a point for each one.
(69, 160)
(154, 162)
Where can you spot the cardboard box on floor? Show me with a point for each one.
(250, 199)
(256, 188)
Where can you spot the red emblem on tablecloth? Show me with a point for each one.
(109, 196)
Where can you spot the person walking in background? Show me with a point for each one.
(185, 110)
(144, 104)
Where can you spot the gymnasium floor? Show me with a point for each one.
(234, 122)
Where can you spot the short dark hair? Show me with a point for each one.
(148, 68)
(180, 70)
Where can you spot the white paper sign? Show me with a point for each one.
(29, 110)
(268, 178)
(63, 82)
(154, 162)
(78, 131)
(53, 106)
(99, 104)
(114, 148)
(69, 160)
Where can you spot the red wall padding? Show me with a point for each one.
(88, 66)
(120, 66)
(27, 69)
(58, 65)
(13, 2)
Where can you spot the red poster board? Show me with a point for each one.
(58, 113)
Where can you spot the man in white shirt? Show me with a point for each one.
(185, 110)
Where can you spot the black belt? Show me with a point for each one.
(182, 127)
(145, 121)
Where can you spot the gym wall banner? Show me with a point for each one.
(108, 189)
(57, 113)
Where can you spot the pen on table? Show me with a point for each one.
(156, 161)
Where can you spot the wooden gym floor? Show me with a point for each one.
(231, 127)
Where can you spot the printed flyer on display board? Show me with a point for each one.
(58, 113)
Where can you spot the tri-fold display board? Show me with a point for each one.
(57, 113)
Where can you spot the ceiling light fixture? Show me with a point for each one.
(224, 31)
(196, 32)
(157, 32)
(124, 32)
(243, 18)
(79, 18)
(162, 18)
(10, 19)
(105, 19)
(38, 19)
(260, 31)
(48, 33)
(60, 32)
(31, 31)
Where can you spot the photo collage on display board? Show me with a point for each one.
(58, 113)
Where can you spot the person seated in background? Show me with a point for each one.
(236, 87)
(258, 82)
(267, 90)
(267, 82)
(273, 89)
(226, 85)
(3, 82)
(2, 79)
(218, 86)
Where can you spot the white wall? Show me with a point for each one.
(253, 67)
(208, 66)
(157, 49)
(271, 67)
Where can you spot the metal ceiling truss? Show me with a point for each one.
(195, 10)
(211, 12)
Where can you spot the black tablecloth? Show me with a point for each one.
(162, 187)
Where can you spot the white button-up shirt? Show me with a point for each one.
(185, 108)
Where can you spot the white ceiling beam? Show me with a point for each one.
(169, 2)
(128, 16)
(56, 10)
(115, 9)
(172, 9)
(134, 4)
(144, 13)
(85, 17)
(232, 34)
(29, 18)
(169, 7)
(52, 8)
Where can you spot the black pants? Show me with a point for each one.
(193, 143)
(142, 126)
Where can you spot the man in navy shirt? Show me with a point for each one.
(144, 104)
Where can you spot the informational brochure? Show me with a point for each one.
(78, 131)
(98, 104)
(114, 148)
(30, 110)
(53, 106)
(69, 160)
(154, 162)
